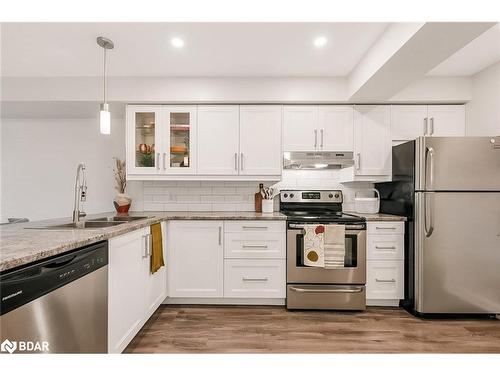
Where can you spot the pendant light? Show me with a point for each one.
(104, 114)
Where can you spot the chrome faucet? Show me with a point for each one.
(80, 192)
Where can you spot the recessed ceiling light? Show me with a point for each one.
(320, 41)
(177, 42)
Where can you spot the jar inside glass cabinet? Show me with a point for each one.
(145, 123)
(180, 130)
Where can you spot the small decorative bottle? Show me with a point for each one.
(258, 199)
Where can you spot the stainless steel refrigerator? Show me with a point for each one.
(449, 187)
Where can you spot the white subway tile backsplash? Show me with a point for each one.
(188, 199)
(200, 207)
(236, 198)
(176, 207)
(224, 190)
(150, 206)
(224, 207)
(212, 198)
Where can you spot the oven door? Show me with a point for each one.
(354, 271)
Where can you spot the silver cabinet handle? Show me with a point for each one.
(426, 123)
(158, 160)
(390, 228)
(146, 246)
(248, 227)
(321, 145)
(150, 245)
(235, 161)
(302, 290)
(254, 278)
(385, 247)
(164, 161)
(358, 161)
(220, 235)
(241, 161)
(385, 280)
(245, 246)
(432, 125)
(315, 138)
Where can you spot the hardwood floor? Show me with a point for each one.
(248, 329)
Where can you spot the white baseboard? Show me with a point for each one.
(382, 302)
(225, 301)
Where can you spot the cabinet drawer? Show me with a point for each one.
(384, 279)
(386, 227)
(254, 245)
(385, 247)
(257, 278)
(254, 226)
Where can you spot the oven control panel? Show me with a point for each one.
(311, 196)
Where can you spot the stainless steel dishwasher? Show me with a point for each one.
(59, 305)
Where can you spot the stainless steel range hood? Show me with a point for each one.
(317, 160)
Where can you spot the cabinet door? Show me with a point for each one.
(372, 140)
(335, 128)
(195, 258)
(143, 139)
(447, 120)
(260, 140)
(178, 140)
(126, 288)
(156, 283)
(300, 128)
(218, 139)
(408, 122)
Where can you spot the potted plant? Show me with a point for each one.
(122, 201)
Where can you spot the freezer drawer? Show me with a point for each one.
(326, 297)
(457, 253)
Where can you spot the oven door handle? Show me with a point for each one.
(347, 227)
(303, 290)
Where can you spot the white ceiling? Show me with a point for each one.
(211, 49)
(474, 57)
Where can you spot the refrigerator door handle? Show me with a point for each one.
(429, 229)
(429, 157)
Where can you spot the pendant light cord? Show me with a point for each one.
(104, 76)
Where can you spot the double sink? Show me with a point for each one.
(100, 222)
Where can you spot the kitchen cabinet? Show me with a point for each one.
(260, 140)
(196, 258)
(133, 292)
(372, 140)
(411, 121)
(384, 263)
(218, 140)
(318, 128)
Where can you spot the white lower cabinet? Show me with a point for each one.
(133, 292)
(385, 263)
(254, 278)
(196, 258)
(221, 261)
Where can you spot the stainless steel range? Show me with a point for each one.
(340, 288)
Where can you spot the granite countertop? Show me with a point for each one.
(380, 217)
(21, 245)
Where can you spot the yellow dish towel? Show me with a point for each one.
(157, 253)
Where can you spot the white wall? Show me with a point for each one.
(483, 111)
(39, 160)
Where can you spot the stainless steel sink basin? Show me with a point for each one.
(118, 218)
(82, 225)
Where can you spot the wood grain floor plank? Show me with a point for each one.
(264, 329)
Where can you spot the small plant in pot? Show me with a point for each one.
(122, 201)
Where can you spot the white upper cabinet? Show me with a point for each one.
(218, 139)
(178, 139)
(446, 120)
(372, 140)
(300, 128)
(143, 146)
(260, 140)
(408, 122)
(411, 121)
(335, 128)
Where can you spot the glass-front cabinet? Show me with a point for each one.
(160, 139)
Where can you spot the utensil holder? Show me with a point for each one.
(267, 206)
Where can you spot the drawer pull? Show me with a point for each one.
(254, 278)
(385, 247)
(254, 246)
(385, 280)
(391, 228)
(247, 227)
(302, 290)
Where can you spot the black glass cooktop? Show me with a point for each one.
(324, 216)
